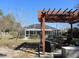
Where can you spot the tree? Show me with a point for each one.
(8, 24)
(75, 32)
(1, 13)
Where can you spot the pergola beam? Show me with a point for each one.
(74, 11)
(69, 10)
(43, 11)
(58, 10)
(65, 10)
(48, 11)
(53, 11)
(78, 14)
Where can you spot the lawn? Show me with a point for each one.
(11, 43)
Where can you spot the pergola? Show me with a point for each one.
(63, 16)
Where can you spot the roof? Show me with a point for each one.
(38, 26)
(66, 16)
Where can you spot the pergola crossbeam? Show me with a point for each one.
(53, 11)
(48, 11)
(65, 10)
(58, 10)
(74, 11)
(43, 11)
(78, 14)
(69, 10)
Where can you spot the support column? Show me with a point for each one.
(25, 33)
(29, 33)
(71, 30)
(70, 36)
(43, 34)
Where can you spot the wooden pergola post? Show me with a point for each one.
(43, 33)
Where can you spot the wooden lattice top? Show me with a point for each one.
(66, 16)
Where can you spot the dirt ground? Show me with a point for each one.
(6, 52)
(7, 49)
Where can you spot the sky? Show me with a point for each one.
(26, 11)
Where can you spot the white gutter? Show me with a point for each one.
(38, 30)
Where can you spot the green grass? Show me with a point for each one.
(11, 43)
